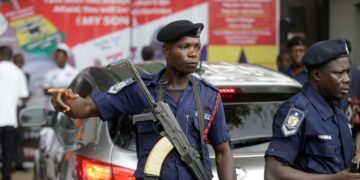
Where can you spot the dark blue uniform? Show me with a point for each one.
(130, 100)
(301, 78)
(310, 135)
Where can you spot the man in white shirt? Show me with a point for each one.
(12, 87)
(63, 74)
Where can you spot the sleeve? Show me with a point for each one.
(284, 148)
(218, 132)
(23, 87)
(111, 106)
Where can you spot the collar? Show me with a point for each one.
(156, 78)
(318, 102)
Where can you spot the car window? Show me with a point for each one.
(150, 68)
(250, 123)
(66, 129)
(124, 72)
(86, 128)
(122, 133)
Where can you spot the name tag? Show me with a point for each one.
(325, 137)
(206, 115)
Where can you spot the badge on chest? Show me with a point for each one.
(292, 121)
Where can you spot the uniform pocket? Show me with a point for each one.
(322, 149)
(323, 157)
(197, 123)
(196, 133)
(207, 116)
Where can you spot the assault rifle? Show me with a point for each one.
(172, 135)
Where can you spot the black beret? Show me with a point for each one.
(177, 29)
(295, 41)
(325, 51)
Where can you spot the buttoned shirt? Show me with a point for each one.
(12, 87)
(130, 100)
(59, 77)
(310, 135)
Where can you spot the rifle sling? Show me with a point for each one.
(164, 79)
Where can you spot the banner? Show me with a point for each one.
(243, 31)
(149, 17)
(100, 30)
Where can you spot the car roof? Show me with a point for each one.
(248, 77)
(226, 74)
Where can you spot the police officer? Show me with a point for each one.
(311, 136)
(296, 48)
(181, 47)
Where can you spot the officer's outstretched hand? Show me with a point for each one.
(346, 175)
(60, 96)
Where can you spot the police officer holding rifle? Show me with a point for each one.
(196, 105)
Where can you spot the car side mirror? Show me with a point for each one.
(33, 116)
(66, 130)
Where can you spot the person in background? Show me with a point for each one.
(147, 53)
(59, 77)
(311, 134)
(296, 48)
(283, 62)
(174, 85)
(12, 87)
(19, 61)
(63, 74)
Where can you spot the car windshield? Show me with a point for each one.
(250, 123)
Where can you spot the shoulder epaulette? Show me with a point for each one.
(120, 85)
(301, 103)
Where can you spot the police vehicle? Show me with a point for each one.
(94, 149)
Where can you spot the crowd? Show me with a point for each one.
(14, 97)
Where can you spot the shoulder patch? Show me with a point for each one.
(292, 121)
(120, 85)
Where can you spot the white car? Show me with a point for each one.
(94, 149)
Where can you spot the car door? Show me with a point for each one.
(70, 132)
